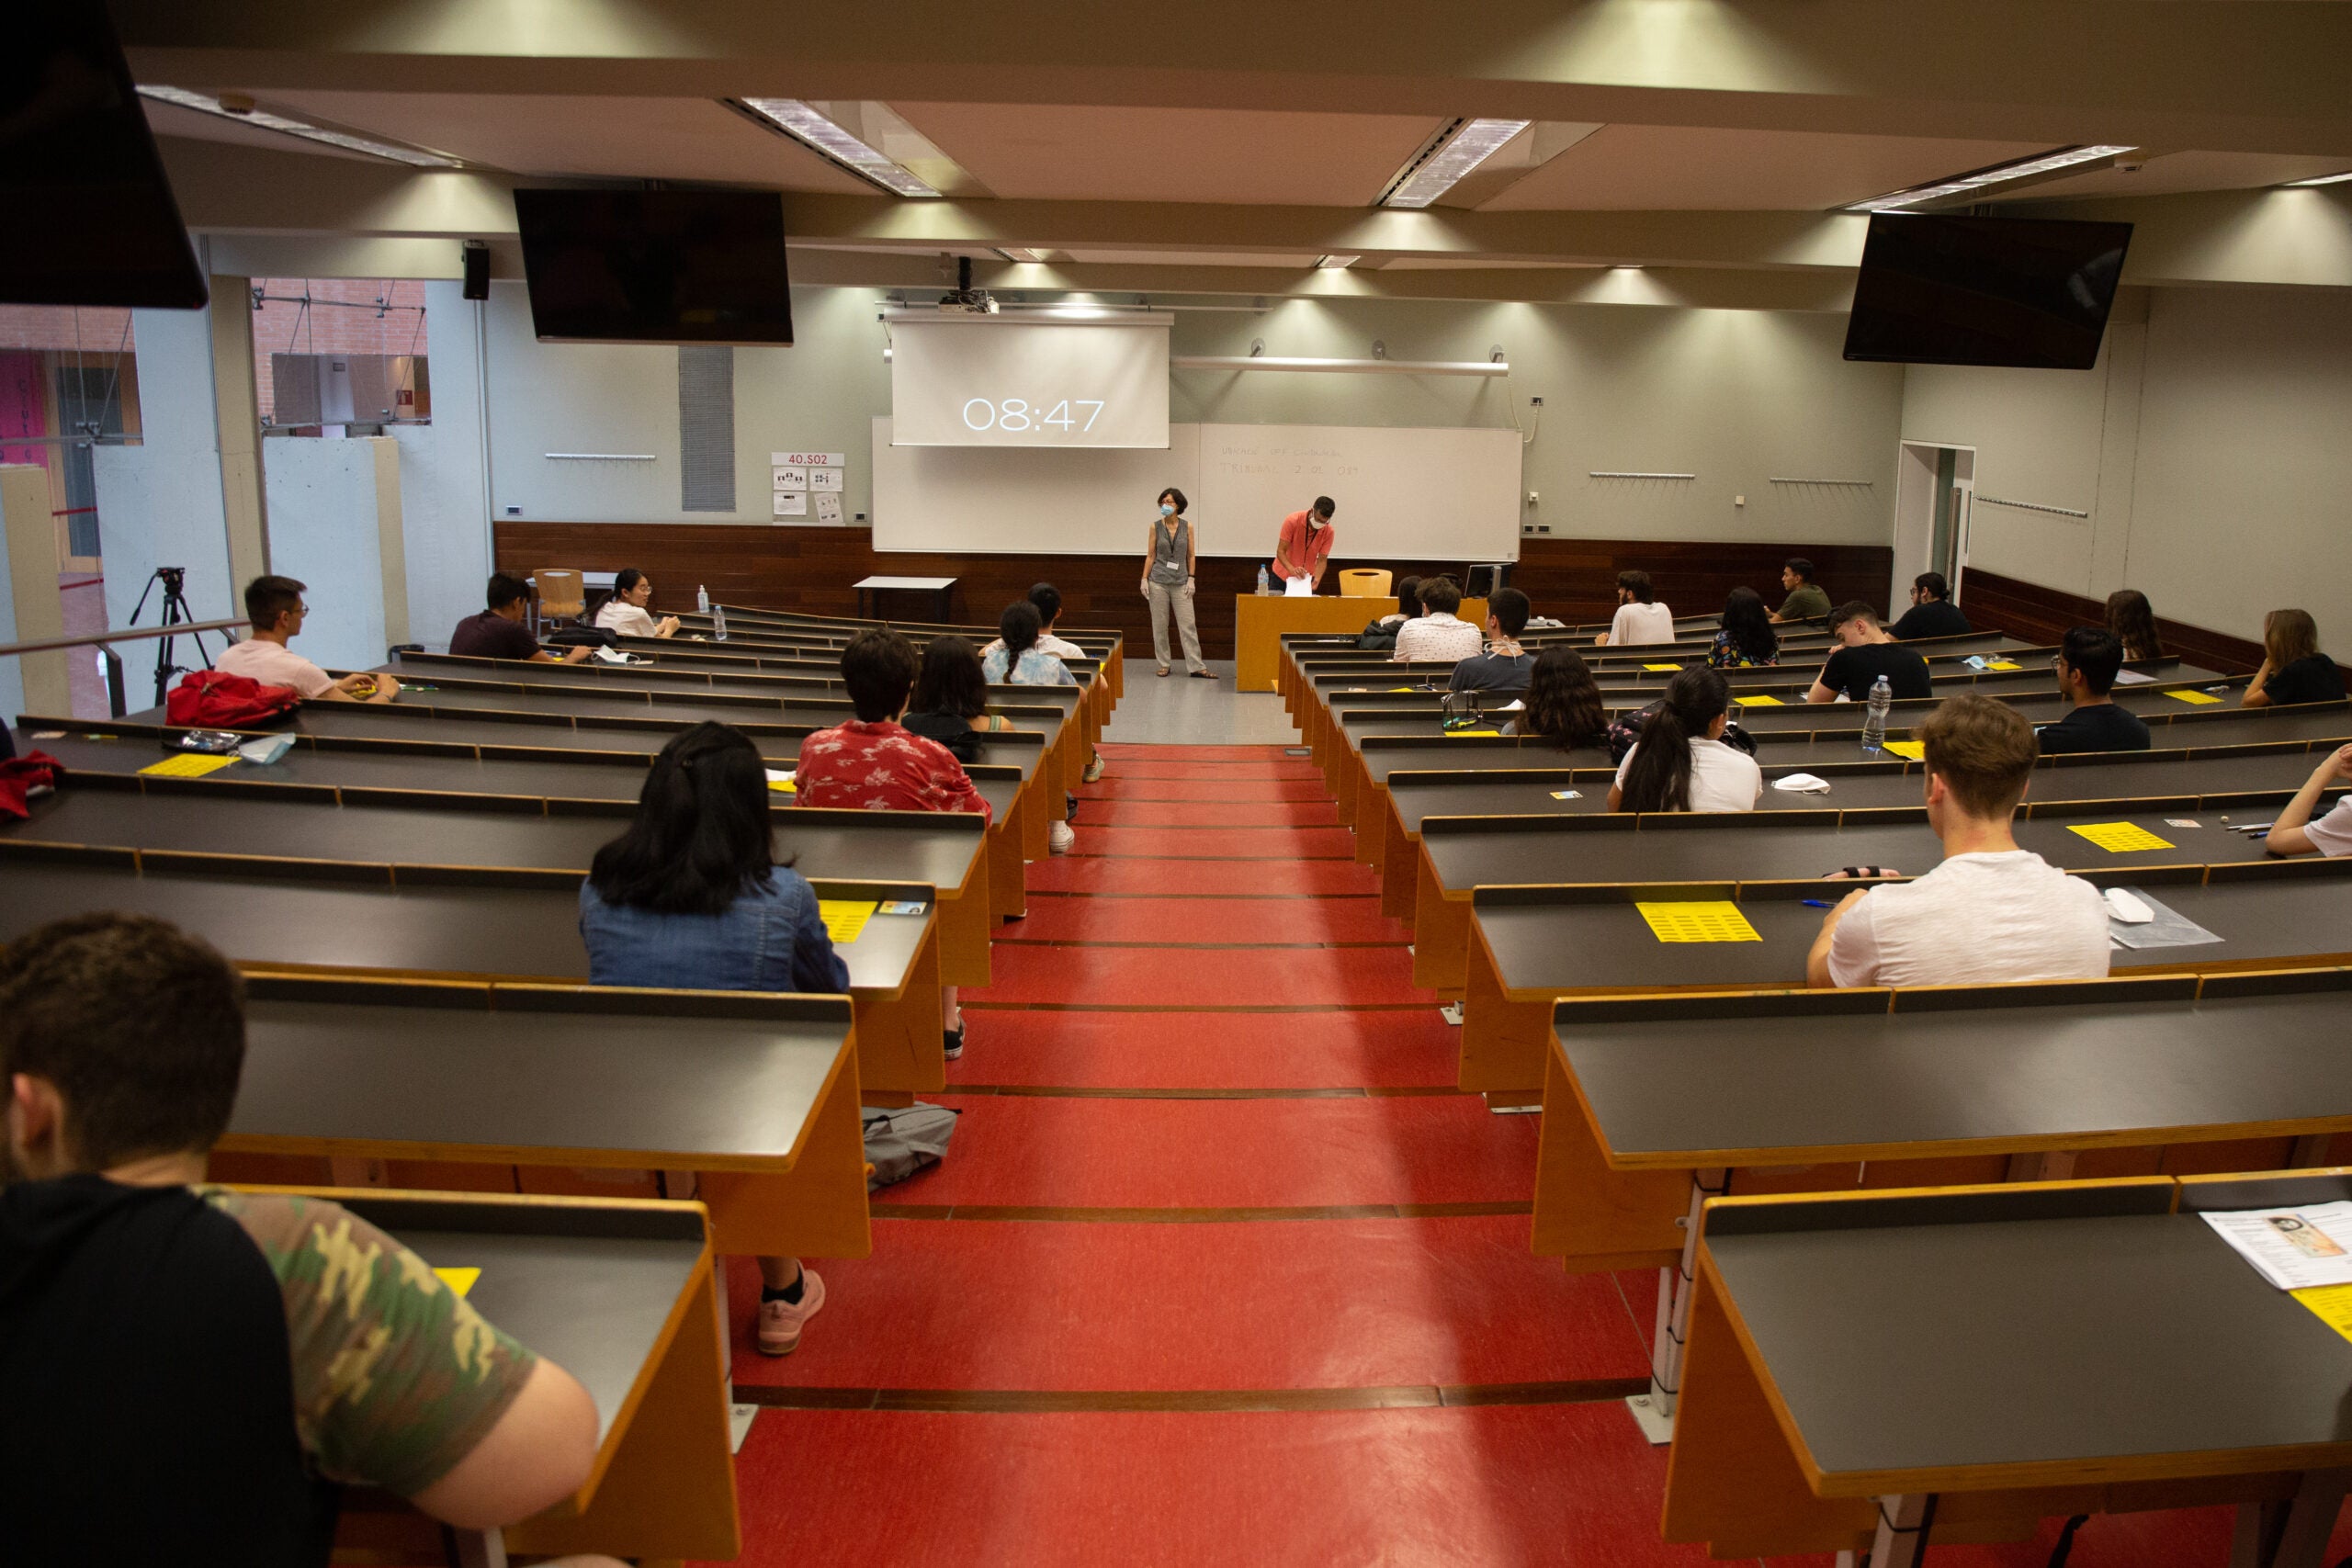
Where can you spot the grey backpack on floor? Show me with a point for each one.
(901, 1141)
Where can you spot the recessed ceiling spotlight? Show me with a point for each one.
(238, 108)
(803, 123)
(2322, 180)
(1439, 168)
(1999, 173)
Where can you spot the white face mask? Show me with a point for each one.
(1166, 510)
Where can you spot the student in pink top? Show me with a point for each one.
(275, 606)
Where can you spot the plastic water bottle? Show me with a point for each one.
(702, 598)
(718, 633)
(1874, 722)
(1265, 584)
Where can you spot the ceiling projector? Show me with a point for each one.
(963, 299)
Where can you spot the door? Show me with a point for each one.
(1954, 551)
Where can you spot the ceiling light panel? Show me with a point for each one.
(2322, 180)
(1473, 144)
(1999, 173)
(828, 129)
(205, 103)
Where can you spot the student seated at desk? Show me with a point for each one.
(1016, 658)
(187, 1373)
(691, 898)
(1639, 618)
(1744, 638)
(2294, 669)
(1991, 913)
(2086, 663)
(1437, 634)
(871, 764)
(2295, 833)
(497, 631)
(2133, 622)
(1563, 702)
(625, 613)
(1865, 654)
(951, 699)
(1808, 600)
(274, 604)
(1408, 605)
(1932, 613)
(1504, 666)
(1681, 763)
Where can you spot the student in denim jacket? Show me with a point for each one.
(690, 898)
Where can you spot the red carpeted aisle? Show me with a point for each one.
(1220, 1271)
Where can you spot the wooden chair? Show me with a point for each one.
(563, 596)
(1363, 582)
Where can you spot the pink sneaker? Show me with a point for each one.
(781, 1322)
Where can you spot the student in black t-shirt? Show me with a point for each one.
(498, 632)
(2086, 663)
(1504, 666)
(2294, 669)
(1932, 613)
(1867, 653)
(186, 1372)
(950, 701)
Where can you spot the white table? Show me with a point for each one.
(943, 586)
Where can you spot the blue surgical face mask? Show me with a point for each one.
(1166, 510)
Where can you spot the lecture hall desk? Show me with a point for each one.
(662, 1488)
(478, 1084)
(1884, 1373)
(495, 894)
(1260, 620)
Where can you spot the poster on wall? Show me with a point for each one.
(792, 503)
(829, 506)
(791, 478)
(825, 479)
(796, 475)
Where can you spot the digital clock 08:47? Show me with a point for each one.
(1019, 415)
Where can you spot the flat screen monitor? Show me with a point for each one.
(90, 216)
(684, 267)
(1945, 290)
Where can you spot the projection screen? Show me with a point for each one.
(1008, 380)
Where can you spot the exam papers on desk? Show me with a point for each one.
(1298, 588)
(2295, 1249)
(2133, 678)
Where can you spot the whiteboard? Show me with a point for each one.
(1402, 493)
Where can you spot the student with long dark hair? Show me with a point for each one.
(1563, 702)
(626, 613)
(691, 898)
(2134, 621)
(1015, 659)
(1746, 640)
(951, 699)
(1681, 763)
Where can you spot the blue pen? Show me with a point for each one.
(1819, 904)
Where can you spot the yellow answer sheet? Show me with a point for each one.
(1716, 919)
(844, 918)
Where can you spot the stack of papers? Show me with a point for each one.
(2295, 1249)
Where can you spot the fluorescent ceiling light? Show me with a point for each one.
(1335, 263)
(803, 123)
(1018, 254)
(2322, 180)
(1471, 146)
(204, 103)
(1999, 173)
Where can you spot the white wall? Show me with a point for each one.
(2209, 445)
(444, 484)
(328, 514)
(159, 502)
(1737, 397)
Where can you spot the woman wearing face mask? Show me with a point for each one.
(1168, 582)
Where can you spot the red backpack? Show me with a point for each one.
(206, 697)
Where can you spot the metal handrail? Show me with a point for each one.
(129, 634)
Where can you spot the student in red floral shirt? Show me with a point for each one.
(872, 763)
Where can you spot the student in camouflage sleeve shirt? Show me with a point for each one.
(186, 1372)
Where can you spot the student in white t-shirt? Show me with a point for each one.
(1991, 913)
(1438, 634)
(1681, 763)
(1639, 618)
(625, 613)
(2295, 831)
(275, 606)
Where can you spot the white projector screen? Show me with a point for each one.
(959, 380)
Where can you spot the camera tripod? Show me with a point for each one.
(175, 613)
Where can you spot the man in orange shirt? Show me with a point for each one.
(1305, 547)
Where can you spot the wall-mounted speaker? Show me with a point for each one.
(477, 270)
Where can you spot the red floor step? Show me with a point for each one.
(1289, 1305)
(1216, 1154)
(1182, 786)
(1184, 977)
(1291, 922)
(1139, 873)
(1215, 815)
(1208, 1050)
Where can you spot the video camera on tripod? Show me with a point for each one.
(174, 580)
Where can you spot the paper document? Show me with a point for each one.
(1758, 700)
(2120, 838)
(2201, 698)
(2133, 678)
(187, 765)
(1661, 666)
(1714, 920)
(781, 781)
(2332, 1305)
(844, 918)
(2167, 928)
(2293, 1249)
(1298, 588)
(1567, 794)
(1915, 751)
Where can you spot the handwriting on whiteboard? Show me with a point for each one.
(1302, 459)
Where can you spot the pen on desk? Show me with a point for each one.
(1819, 904)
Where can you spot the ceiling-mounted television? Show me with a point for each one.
(1939, 289)
(91, 219)
(683, 266)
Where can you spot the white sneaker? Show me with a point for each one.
(1061, 838)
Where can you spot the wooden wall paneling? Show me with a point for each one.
(2044, 614)
(811, 570)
